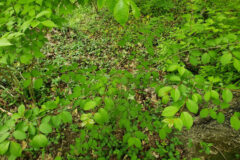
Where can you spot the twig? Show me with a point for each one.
(220, 152)
(5, 111)
(6, 90)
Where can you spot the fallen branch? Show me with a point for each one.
(5, 111)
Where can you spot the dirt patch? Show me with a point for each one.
(225, 140)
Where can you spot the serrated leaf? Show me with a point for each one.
(38, 83)
(133, 141)
(206, 58)
(207, 96)
(66, 117)
(4, 42)
(100, 3)
(49, 23)
(26, 58)
(192, 106)
(165, 99)
(162, 134)
(43, 13)
(227, 95)
(135, 10)
(164, 91)
(45, 128)
(21, 110)
(220, 117)
(213, 114)
(175, 93)
(56, 121)
(172, 67)
(169, 111)
(178, 123)
(226, 58)
(181, 70)
(235, 122)
(15, 149)
(186, 119)
(19, 135)
(214, 94)
(4, 136)
(236, 54)
(174, 78)
(204, 113)
(224, 105)
(4, 147)
(39, 140)
(89, 105)
(236, 64)
(101, 116)
(121, 12)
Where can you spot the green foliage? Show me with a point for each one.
(182, 59)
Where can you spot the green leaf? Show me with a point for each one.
(162, 134)
(172, 67)
(109, 104)
(73, 1)
(66, 117)
(206, 58)
(181, 70)
(134, 141)
(56, 121)
(169, 111)
(207, 96)
(4, 147)
(45, 128)
(43, 13)
(31, 130)
(178, 123)
(224, 105)
(214, 94)
(101, 116)
(213, 114)
(19, 135)
(235, 122)
(89, 105)
(121, 12)
(39, 140)
(236, 54)
(15, 149)
(38, 83)
(186, 119)
(174, 78)
(165, 99)
(226, 58)
(227, 95)
(58, 158)
(220, 117)
(4, 136)
(175, 93)
(21, 110)
(164, 91)
(100, 3)
(192, 106)
(204, 113)
(236, 64)
(26, 58)
(4, 42)
(49, 23)
(135, 10)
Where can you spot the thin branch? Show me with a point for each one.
(220, 152)
(5, 111)
(5, 89)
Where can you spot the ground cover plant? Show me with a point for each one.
(119, 79)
